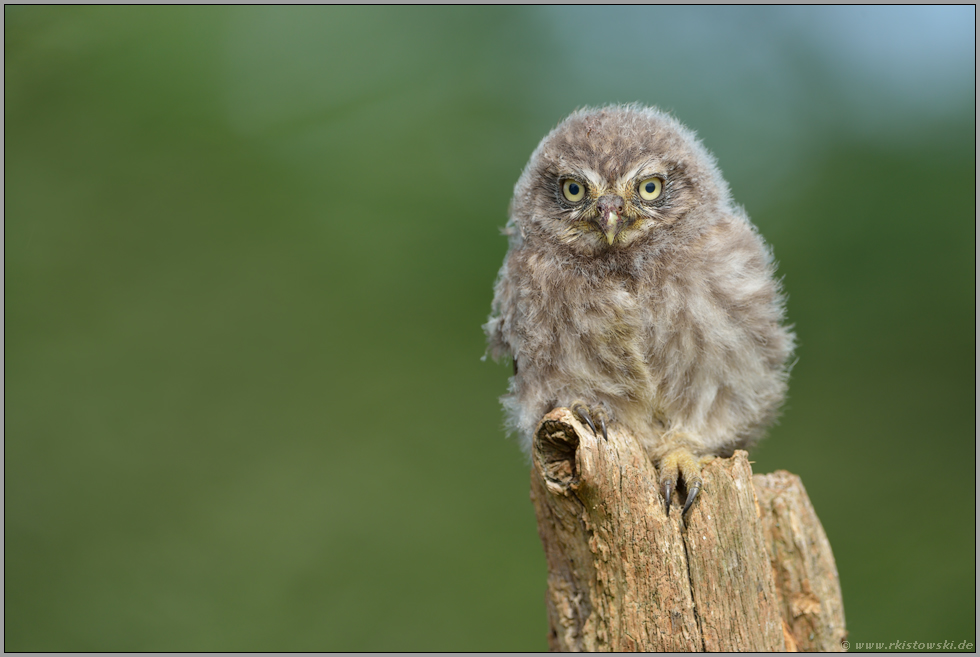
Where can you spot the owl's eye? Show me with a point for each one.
(573, 190)
(650, 188)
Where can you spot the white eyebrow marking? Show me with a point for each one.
(596, 181)
(635, 172)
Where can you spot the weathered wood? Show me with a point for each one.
(803, 564)
(625, 576)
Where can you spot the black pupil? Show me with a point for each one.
(572, 189)
(651, 187)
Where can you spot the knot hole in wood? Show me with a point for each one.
(556, 451)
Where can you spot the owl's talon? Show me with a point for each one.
(590, 416)
(668, 489)
(693, 488)
(680, 464)
(582, 411)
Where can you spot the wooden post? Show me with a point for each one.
(749, 568)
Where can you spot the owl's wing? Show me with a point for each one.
(499, 326)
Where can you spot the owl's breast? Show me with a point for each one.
(595, 337)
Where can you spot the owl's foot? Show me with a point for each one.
(683, 463)
(591, 416)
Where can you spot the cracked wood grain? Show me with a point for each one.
(623, 576)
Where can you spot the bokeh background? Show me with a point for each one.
(248, 251)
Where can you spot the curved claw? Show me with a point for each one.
(588, 419)
(605, 436)
(693, 490)
(668, 487)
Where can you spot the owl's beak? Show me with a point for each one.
(610, 219)
(609, 224)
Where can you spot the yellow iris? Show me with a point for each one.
(650, 188)
(573, 190)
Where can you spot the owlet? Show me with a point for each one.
(636, 292)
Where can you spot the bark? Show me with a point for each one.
(749, 567)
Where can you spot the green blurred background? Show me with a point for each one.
(248, 251)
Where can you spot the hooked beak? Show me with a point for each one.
(610, 224)
(610, 220)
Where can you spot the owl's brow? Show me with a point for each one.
(652, 165)
(594, 179)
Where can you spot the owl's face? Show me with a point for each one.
(605, 179)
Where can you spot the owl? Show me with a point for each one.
(635, 291)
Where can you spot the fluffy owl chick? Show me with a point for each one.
(636, 292)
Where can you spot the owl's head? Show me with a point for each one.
(611, 177)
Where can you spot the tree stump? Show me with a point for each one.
(748, 568)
